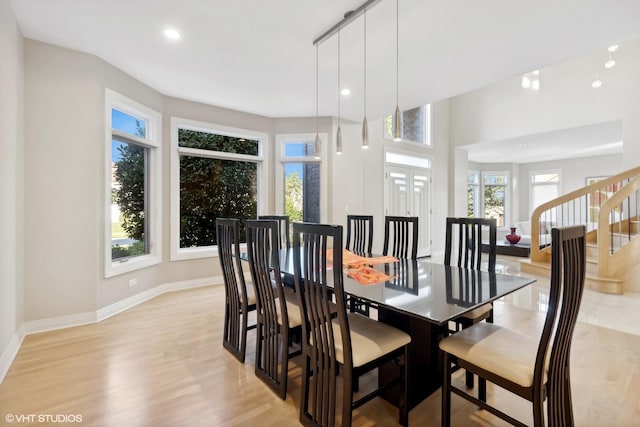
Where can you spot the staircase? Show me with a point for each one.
(610, 211)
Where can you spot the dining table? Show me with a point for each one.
(419, 297)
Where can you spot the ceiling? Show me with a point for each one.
(583, 141)
(258, 56)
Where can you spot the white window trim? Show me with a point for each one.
(153, 140)
(507, 192)
(532, 184)
(177, 253)
(281, 141)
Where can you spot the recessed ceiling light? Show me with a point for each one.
(610, 63)
(346, 92)
(612, 48)
(596, 83)
(172, 34)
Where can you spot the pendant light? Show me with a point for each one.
(316, 144)
(339, 133)
(365, 125)
(397, 130)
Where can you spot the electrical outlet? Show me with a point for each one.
(133, 282)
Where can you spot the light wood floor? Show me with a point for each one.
(162, 363)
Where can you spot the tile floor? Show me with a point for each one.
(618, 312)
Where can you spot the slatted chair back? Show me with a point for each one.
(328, 349)
(401, 236)
(272, 336)
(312, 279)
(237, 303)
(283, 229)
(568, 270)
(359, 234)
(546, 377)
(464, 237)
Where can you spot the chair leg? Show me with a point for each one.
(469, 379)
(304, 391)
(403, 406)
(347, 396)
(446, 393)
(567, 404)
(538, 411)
(482, 389)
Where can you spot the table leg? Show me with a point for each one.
(425, 361)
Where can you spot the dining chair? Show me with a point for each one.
(533, 368)
(345, 344)
(401, 236)
(464, 248)
(239, 299)
(283, 229)
(359, 241)
(359, 234)
(278, 314)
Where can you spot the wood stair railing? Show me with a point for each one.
(610, 210)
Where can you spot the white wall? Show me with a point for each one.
(565, 100)
(573, 174)
(65, 146)
(11, 185)
(358, 175)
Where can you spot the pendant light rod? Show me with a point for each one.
(365, 124)
(316, 142)
(339, 133)
(348, 17)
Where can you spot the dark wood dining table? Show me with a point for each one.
(421, 299)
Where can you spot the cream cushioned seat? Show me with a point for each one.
(293, 309)
(370, 339)
(251, 294)
(478, 312)
(505, 352)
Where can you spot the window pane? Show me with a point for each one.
(212, 188)
(127, 123)
(302, 191)
(415, 125)
(494, 202)
(407, 160)
(545, 178)
(129, 204)
(495, 179)
(215, 142)
(472, 178)
(299, 149)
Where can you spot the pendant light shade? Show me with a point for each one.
(397, 125)
(316, 143)
(339, 141)
(365, 125)
(365, 133)
(316, 147)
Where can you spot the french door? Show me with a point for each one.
(408, 193)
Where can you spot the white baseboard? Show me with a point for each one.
(10, 352)
(71, 320)
(122, 305)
